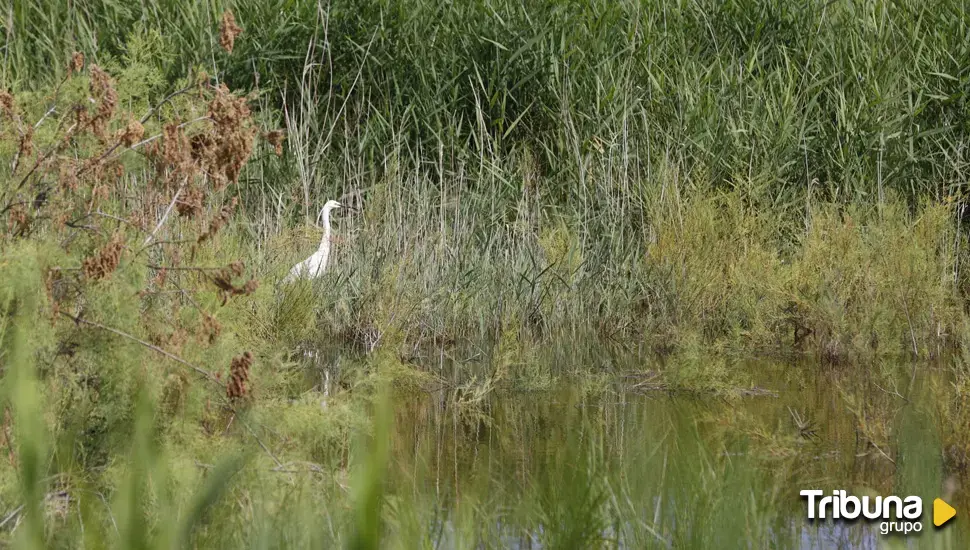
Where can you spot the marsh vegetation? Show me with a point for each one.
(622, 274)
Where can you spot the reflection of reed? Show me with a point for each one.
(804, 426)
(498, 452)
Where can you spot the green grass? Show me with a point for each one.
(838, 101)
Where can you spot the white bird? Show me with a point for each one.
(316, 265)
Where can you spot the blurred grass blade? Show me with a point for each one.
(216, 484)
(369, 483)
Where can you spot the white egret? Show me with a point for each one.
(316, 265)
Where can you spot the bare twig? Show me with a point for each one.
(144, 119)
(116, 218)
(883, 453)
(152, 347)
(289, 467)
(170, 97)
(111, 516)
(187, 268)
(74, 222)
(894, 392)
(40, 160)
(47, 114)
(909, 321)
(168, 211)
(262, 445)
(156, 243)
(156, 136)
(16, 511)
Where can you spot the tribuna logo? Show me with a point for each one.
(898, 515)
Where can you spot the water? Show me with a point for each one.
(612, 466)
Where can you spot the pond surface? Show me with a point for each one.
(630, 464)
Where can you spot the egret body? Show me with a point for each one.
(316, 265)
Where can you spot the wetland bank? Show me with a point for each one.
(621, 274)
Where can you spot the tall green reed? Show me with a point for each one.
(818, 100)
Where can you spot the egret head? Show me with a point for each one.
(331, 205)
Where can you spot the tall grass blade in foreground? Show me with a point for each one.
(370, 479)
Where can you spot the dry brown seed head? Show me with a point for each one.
(132, 133)
(6, 104)
(211, 328)
(81, 117)
(67, 175)
(233, 127)
(76, 64)
(100, 81)
(153, 150)
(239, 376)
(106, 260)
(227, 109)
(176, 151)
(17, 220)
(250, 287)
(218, 222)
(160, 278)
(228, 31)
(26, 146)
(237, 268)
(202, 146)
(275, 138)
(101, 191)
(102, 89)
(190, 202)
(178, 338)
(136, 218)
(223, 281)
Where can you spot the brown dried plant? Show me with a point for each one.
(75, 185)
(26, 146)
(106, 100)
(223, 281)
(211, 328)
(25, 132)
(106, 260)
(233, 124)
(7, 433)
(67, 175)
(175, 154)
(239, 376)
(17, 220)
(219, 221)
(276, 138)
(132, 133)
(7, 105)
(76, 64)
(190, 202)
(228, 31)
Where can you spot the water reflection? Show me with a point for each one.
(577, 468)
